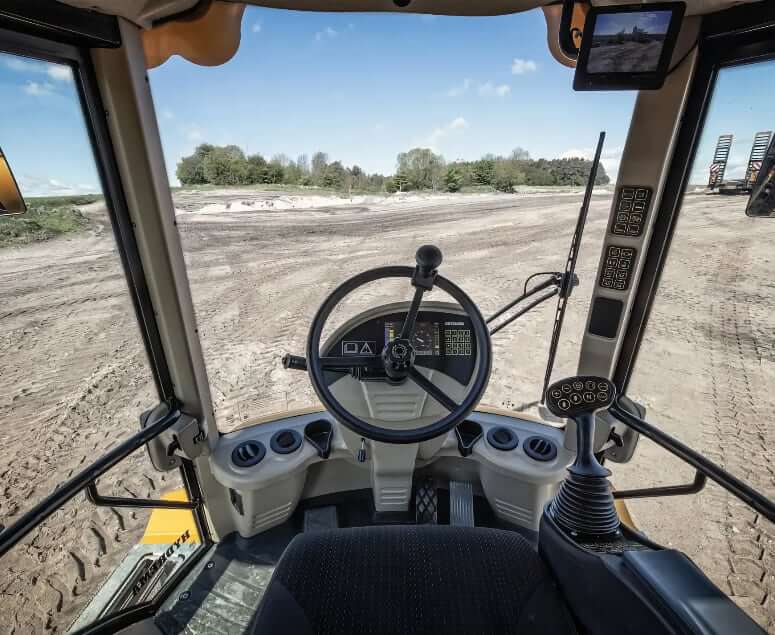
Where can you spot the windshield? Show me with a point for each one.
(322, 149)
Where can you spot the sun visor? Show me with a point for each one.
(209, 36)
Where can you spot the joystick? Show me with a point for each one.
(584, 505)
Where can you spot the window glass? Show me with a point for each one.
(347, 153)
(74, 376)
(705, 369)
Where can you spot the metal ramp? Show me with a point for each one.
(760, 144)
(720, 158)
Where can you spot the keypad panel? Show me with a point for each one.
(576, 395)
(617, 267)
(632, 207)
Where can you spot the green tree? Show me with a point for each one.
(256, 169)
(334, 175)
(190, 169)
(422, 167)
(453, 179)
(226, 165)
(484, 171)
(318, 169)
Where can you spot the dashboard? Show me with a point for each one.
(443, 341)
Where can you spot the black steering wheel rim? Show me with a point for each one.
(388, 435)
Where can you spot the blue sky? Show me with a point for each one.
(361, 87)
(652, 22)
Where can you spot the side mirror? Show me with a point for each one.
(11, 201)
(762, 201)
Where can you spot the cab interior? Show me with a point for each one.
(398, 503)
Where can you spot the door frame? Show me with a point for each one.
(734, 37)
(71, 50)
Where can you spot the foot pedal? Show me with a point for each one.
(426, 503)
(461, 504)
(320, 519)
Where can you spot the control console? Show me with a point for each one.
(571, 397)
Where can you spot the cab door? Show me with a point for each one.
(90, 529)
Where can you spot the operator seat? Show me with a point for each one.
(411, 579)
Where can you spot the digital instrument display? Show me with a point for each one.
(426, 336)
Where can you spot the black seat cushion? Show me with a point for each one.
(424, 579)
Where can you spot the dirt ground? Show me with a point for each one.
(626, 57)
(74, 376)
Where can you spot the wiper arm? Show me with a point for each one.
(570, 266)
(556, 280)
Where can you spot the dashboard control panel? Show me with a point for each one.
(442, 341)
(575, 395)
(632, 206)
(617, 268)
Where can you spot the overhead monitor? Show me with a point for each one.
(628, 47)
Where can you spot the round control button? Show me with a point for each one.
(602, 386)
(564, 404)
(575, 399)
(566, 388)
(589, 397)
(602, 396)
(556, 394)
(577, 385)
(590, 385)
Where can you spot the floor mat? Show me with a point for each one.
(223, 591)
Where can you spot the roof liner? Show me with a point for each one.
(146, 12)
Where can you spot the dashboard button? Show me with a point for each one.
(566, 388)
(564, 404)
(556, 394)
(575, 399)
(602, 386)
(589, 397)
(577, 385)
(602, 396)
(590, 385)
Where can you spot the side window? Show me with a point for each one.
(706, 366)
(74, 374)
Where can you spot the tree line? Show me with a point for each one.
(416, 170)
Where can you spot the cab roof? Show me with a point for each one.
(146, 12)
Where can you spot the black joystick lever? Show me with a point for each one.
(428, 259)
(584, 504)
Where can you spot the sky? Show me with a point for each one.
(363, 88)
(652, 22)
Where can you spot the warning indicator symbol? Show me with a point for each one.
(359, 347)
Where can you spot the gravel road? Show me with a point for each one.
(74, 375)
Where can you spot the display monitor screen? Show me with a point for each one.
(627, 47)
(628, 42)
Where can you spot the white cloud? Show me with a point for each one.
(433, 139)
(488, 89)
(610, 158)
(458, 90)
(522, 67)
(326, 34)
(32, 185)
(59, 72)
(37, 89)
(256, 28)
(194, 134)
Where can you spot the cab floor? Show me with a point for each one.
(222, 593)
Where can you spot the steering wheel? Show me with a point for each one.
(398, 357)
